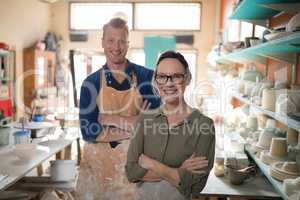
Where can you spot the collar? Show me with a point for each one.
(187, 120)
(128, 71)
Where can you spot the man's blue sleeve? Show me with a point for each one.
(88, 112)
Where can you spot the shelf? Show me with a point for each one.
(279, 49)
(292, 8)
(256, 9)
(265, 170)
(283, 119)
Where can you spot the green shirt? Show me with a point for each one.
(172, 146)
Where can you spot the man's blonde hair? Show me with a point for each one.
(116, 23)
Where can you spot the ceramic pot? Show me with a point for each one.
(238, 176)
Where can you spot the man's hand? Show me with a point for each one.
(115, 121)
(113, 134)
(111, 120)
(195, 164)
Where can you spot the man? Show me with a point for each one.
(110, 100)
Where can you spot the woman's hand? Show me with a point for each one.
(195, 164)
(145, 106)
(146, 162)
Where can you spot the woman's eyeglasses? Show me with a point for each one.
(175, 78)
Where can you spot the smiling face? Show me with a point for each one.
(171, 80)
(115, 45)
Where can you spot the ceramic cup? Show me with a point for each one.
(278, 147)
(292, 137)
(252, 123)
(271, 124)
(269, 99)
(278, 151)
(265, 138)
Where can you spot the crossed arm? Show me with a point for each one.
(158, 171)
(121, 127)
(189, 177)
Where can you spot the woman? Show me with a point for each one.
(172, 151)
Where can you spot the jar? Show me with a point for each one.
(22, 137)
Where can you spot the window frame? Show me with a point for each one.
(95, 2)
(167, 30)
(133, 4)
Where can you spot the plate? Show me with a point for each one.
(273, 36)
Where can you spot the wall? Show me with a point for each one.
(204, 40)
(22, 24)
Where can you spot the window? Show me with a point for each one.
(191, 58)
(92, 16)
(259, 31)
(179, 16)
(246, 30)
(232, 32)
(97, 62)
(80, 71)
(137, 56)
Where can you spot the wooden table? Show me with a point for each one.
(16, 169)
(255, 188)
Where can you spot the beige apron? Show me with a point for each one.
(102, 175)
(162, 190)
